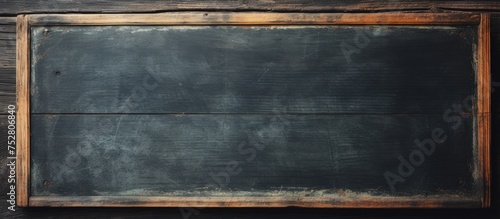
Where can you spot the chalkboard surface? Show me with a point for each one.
(225, 69)
(280, 111)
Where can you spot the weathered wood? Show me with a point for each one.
(484, 106)
(251, 70)
(280, 155)
(7, 62)
(344, 201)
(12, 7)
(23, 112)
(253, 18)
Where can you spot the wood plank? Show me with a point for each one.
(8, 20)
(23, 112)
(266, 202)
(271, 155)
(7, 62)
(252, 18)
(13, 7)
(484, 106)
(229, 69)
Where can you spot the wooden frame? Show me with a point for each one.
(24, 22)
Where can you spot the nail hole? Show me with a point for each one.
(46, 184)
(206, 14)
(57, 73)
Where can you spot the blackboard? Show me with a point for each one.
(254, 110)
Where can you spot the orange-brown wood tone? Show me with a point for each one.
(220, 18)
(484, 108)
(254, 18)
(23, 111)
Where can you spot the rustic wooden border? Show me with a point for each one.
(447, 201)
(484, 107)
(23, 111)
(482, 178)
(253, 18)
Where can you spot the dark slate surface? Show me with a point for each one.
(305, 110)
(179, 155)
(250, 70)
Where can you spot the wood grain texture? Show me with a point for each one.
(7, 62)
(253, 18)
(252, 202)
(484, 105)
(13, 7)
(23, 112)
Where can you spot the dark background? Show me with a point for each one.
(10, 8)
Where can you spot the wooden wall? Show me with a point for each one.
(10, 8)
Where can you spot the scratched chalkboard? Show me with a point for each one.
(254, 111)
